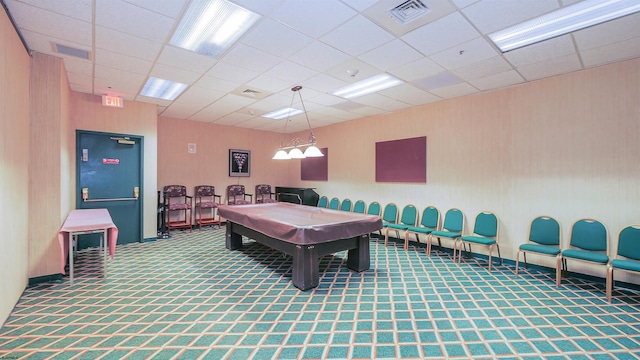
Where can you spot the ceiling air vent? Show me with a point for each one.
(408, 11)
(251, 93)
(66, 50)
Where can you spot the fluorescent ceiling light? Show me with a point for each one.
(563, 21)
(210, 27)
(282, 113)
(162, 89)
(367, 86)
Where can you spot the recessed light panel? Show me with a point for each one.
(162, 89)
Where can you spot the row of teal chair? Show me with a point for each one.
(588, 243)
(588, 240)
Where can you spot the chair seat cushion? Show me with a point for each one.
(398, 226)
(268, 200)
(385, 224)
(478, 240)
(630, 265)
(446, 234)
(420, 229)
(241, 202)
(208, 205)
(586, 256)
(181, 206)
(540, 249)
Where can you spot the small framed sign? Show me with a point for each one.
(239, 162)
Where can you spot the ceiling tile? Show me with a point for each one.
(615, 52)
(417, 70)
(262, 7)
(77, 9)
(465, 54)
(550, 49)
(122, 43)
(53, 24)
(495, 81)
(314, 18)
(493, 15)
(483, 68)
(231, 72)
(251, 58)
(166, 72)
(123, 62)
(437, 81)
(453, 91)
(357, 36)
(319, 56)
(170, 8)
(184, 59)
(550, 67)
(275, 38)
(391, 55)
(622, 29)
(410, 94)
(130, 19)
(290, 72)
(442, 34)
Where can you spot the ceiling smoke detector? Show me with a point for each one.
(408, 11)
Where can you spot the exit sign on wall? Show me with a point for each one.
(112, 101)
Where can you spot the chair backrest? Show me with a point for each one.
(486, 225)
(263, 193)
(430, 217)
(234, 191)
(409, 215)
(174, 191)
(359, 207)
(204, 190)
(390, 213)
(545, 230)
(629, 242)
(590, 235)
(334, 204)
(453, 220)
(374, 209)
(346, 205)
(322, 202)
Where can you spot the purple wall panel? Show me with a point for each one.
(315, 168)
(402, 160)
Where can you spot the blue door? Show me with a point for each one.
(109, 175)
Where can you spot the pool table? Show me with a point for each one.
(304, 232)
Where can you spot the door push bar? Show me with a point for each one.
(85, 196)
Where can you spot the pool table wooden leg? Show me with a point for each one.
(233, 240)
(305, 272)
(358, 259)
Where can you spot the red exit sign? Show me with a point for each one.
(112, 101)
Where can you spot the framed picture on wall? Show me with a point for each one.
(239, 162)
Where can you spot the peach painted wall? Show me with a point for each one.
(48, 170)
(210, 165)
(136, 118)
(567, 146)
(14, 167)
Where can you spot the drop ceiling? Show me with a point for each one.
(313, 43)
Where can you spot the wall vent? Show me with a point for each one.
(408, 11)
(66, 50)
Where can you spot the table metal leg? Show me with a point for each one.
(72, 238)
(104, 252)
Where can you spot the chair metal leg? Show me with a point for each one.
(490, 251)
(500, 256)
(610, 283)
(428, 248)
(558, 270)
(386, 236)
(518, 260)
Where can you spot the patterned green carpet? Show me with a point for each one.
(188, 297)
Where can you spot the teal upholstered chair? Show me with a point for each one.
(545, 238)
(588, 243)
(334, 204)
(485, 233)
(628, 256)
(374, 209)
(322, 203)
(408, 217)
(389, 215)
(345, 205)
(452, 228)
(429, 221)
(359, 207)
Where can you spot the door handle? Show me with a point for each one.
(85, 196)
